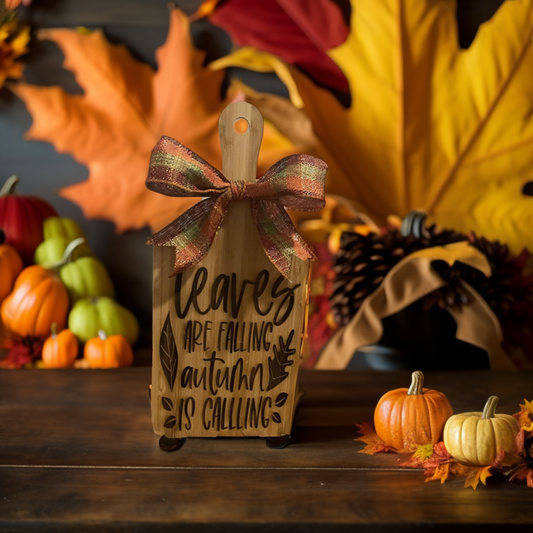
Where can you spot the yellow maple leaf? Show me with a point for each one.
(423, 452)
(432, 126)
(441, 473)
(126, 107)
(525, 416)
(527, 405)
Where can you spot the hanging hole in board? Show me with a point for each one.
(527, 190)
(241, 126)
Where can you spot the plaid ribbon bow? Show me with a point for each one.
(295, 182)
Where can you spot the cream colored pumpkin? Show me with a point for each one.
(475, 438)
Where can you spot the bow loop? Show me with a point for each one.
(295, 182)
(177, 171)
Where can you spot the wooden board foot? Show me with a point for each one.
(278, 443)
(170, 445)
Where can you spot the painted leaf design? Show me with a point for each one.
(167, 403)
(170, 422)
(276, 417)
(168, 353)
(437, 127)
(278, 365)
(281, 398)
(126, 107)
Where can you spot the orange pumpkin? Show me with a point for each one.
(10, 266)
(405, 418)
(108, 352)
(38, 300)
(60, 350)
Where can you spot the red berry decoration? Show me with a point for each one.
(21, 218)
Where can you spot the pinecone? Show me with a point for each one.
(364, 260)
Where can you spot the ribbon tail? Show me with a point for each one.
(279, 238)
(193, 232)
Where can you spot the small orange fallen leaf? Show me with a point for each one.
(373, 443)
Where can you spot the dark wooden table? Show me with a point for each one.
(77, 453)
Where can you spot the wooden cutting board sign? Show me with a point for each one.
(227, 333)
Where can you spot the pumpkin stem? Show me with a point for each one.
(53, 329)
(417, 383)
(489, 411)
(69, 250)
(413, 224)
(67, 254)
(102, 335)
(9, 186)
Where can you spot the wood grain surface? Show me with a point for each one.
(77, 453)
(228, 332)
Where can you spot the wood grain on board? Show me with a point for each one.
(227, 333)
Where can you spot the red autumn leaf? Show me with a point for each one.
(440, 450)
(21, 352)
(319, 328)
(498, 460)
(298, 31)
(519, 441)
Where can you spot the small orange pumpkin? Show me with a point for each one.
(405, 418)
(38, 300)
(60, 350)
(10, 266)
(108, 352)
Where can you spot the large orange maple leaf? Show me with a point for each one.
(126, 107)
(431, 126)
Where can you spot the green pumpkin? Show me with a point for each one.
(52, 250)
(90, 315)
(62, 227)
(84, 277)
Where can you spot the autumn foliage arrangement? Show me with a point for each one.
(482, 285)
(390, 134)
(357, 100)
(475, 445)
(62, 284)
